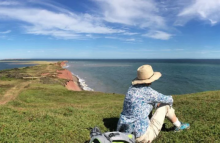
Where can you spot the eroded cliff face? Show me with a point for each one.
(72, 83)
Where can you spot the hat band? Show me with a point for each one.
(147, 78)
(151, 76)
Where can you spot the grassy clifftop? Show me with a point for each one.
(47, 112)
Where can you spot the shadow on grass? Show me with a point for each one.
(111, 123)
(165, 129)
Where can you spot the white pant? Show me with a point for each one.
(156, 123)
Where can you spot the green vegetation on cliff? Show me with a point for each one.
(43, 110)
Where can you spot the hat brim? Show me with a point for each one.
(156, 76)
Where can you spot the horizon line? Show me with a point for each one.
(112, 59)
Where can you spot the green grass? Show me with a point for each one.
(50, 113)
(4, 78)
(2, 90)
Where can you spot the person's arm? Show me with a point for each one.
(157, 97)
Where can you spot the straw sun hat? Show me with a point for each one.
(145, 74)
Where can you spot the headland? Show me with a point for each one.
(43, 73)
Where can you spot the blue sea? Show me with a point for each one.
(179, 76)
(11, 65)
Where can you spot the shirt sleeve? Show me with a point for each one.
(156, 97)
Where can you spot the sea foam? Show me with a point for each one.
(83, 84)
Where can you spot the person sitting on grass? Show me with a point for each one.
(138, 104)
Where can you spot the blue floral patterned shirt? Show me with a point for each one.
(138, 104)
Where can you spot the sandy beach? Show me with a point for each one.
(73, 81)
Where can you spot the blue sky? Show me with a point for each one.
(109, 29)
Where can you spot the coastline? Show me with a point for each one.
(73, 81)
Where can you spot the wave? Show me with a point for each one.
(83, 84)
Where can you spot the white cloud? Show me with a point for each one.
(88, 35)
(130, 33)
(5, 32)
(7, 3)
(61, 34)
(67, 25)
(158, 35)
(51, 19)
(111, 37)
(114, 19)
(130, 40)
(208, 10)
(142, 13)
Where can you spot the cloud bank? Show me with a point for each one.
(124, 18)
(61, 25)
(158, 35)
(140, 13)
(206, 10)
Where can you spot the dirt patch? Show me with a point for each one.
(45, 74)
(6, 86)
(12, 93)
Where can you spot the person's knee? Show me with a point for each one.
(170, 112)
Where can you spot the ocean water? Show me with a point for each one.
(115, 76)
(178, 76)
(11, 65)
